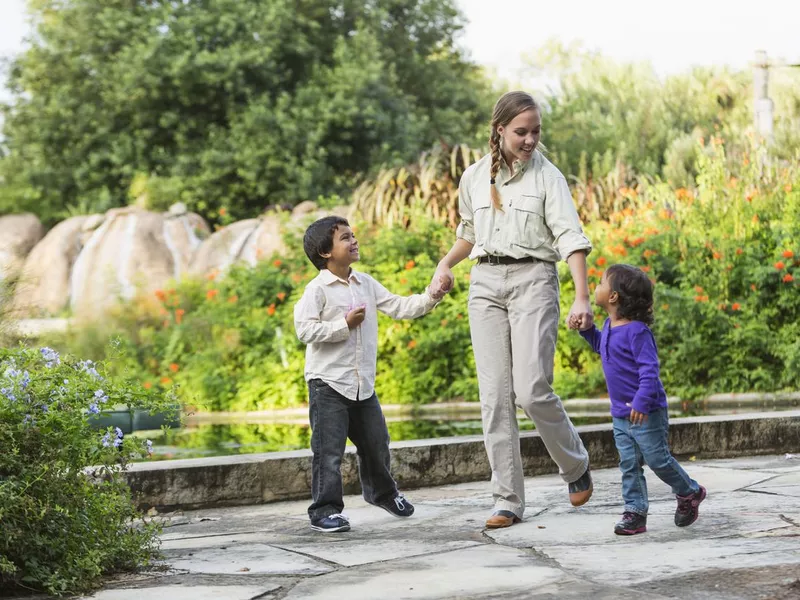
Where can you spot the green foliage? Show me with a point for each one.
(228, 103)
(65, 524)
(727, 316)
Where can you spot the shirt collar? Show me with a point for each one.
(520, 167)
(328, 278)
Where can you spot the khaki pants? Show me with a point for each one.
(514, 316)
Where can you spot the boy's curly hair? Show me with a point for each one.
(635, 291)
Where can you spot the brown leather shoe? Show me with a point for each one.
(502, 518)
(581, 490)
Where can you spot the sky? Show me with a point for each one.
(673, 36)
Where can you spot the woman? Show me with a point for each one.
(518, 220)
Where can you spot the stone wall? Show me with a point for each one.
(259, 478)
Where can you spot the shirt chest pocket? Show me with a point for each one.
(528, 227)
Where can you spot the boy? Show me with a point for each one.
(337, 318)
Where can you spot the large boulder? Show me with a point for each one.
(18, 235)
(252, 240)
(44, 285)
(132, 250)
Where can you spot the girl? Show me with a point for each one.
(638, 400)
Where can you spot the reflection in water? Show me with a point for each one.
(219, 439)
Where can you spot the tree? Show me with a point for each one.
(236, 103)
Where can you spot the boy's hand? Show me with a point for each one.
(441, 282)
(637, 418)
(439, 291)
(356, 316)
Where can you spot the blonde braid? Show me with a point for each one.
(494, 145)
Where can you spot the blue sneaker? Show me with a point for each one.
(331, 523)
(398, 506)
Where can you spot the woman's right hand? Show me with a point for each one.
(442, 281)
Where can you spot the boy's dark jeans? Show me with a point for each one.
(333, 419)
(647, 444)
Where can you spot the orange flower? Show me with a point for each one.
(648, 253)
(233, 299)
(787, 188)
(459, 316)
(645, 268)
(277, 262)
(160, 295)
(410, 265)
(412, 344)
(788, 278)
(755, 218)
(281, 296)
(716, 255)
(223, 211)
(444, 323)
(619, 250)
(213, 275)
(736, 306)
(787, 254)
(701, 298)
(753, 286)
(297, 278)
(739, 251)
(665, 307)
(271, 310)
(147, 385)
(601, 261)
(698, 289)
(722, 306)
(174, 367)
(779, 265)
(166, 381)
(211, 294)
(745, 161)
(591, 272)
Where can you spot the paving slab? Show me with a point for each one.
(231, 592)
(745, 545)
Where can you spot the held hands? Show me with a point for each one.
(441, 283)
(580, 315)
(356, 316)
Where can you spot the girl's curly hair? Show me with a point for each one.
(635, 291)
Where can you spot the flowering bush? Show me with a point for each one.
(66, 513)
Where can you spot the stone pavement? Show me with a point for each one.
(746, 544)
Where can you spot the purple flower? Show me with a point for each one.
(106, 441)
(94, 409)
(120, 435)
(101, 396)
(149, 445)
(51, 357)
(88, 367)
(8, 393)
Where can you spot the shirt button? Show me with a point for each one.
(498, 229)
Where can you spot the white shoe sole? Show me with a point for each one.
(330, 529)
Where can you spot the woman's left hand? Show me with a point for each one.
(581, 314)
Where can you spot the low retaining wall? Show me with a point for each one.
(276, 476)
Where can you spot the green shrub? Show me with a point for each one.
(66, 512)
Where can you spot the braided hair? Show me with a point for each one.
(508, 106)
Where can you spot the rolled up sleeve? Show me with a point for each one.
(465, 229)
(562, 218)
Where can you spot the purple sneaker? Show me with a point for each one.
(631, 523)
(687, 512)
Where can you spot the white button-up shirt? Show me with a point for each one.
(538, 217)
(346, 358)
